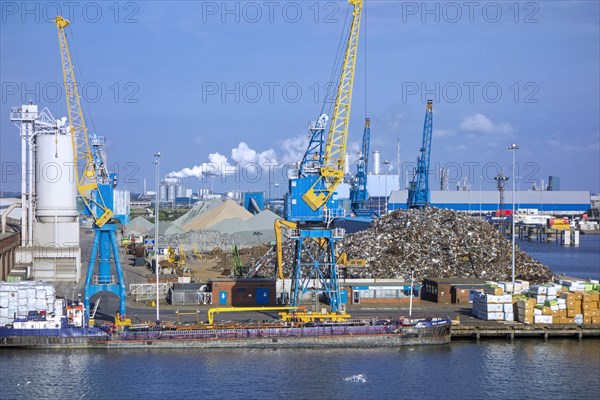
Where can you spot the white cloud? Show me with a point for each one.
(396, 122)
(442, 133)
(482, 124)
(572, 147)
(457, 148)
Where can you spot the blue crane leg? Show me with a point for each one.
(104, 276)
(90, 272)
(122, 293)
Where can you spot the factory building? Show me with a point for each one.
(450, 290)
(549, 202)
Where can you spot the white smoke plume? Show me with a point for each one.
(243, 157)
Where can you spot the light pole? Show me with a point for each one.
(412, 284)
(156, 209)
(387, 164)
(480, 181)
(513, 147)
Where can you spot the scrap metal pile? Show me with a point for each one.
(436, 243)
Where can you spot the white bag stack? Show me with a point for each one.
(491, 307)
(18, 298)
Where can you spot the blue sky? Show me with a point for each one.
(196, 79)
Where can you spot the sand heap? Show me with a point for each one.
(139, 226)
(222, 224)
(207, 214)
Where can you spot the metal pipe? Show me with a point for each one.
(412, 280)
(23, 183)
(31, 193)
(6, 212)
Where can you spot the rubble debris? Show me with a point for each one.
(436, 243)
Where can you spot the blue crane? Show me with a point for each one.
(419, 195)
(96, 187)
(359, 196)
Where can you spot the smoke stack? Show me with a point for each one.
(376, 163)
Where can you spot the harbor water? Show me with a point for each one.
(581, 261)
(560, 369)
(523, 369)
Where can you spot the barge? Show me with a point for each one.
(289, 332)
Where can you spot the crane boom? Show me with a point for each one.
(359, 195)
(85, 167)
(418, 192)
(332, 170)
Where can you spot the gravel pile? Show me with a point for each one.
(205, 240)
(437, 243)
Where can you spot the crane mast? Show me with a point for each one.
(95, 186)
(419, 195)
(332, 169)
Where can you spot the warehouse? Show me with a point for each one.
(449, 290)
(382, 293)
(551, 202)
(243, 292)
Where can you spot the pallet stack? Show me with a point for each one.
(491, 307)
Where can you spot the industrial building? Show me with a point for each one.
(450, 290)
(549, 202)
(382, 293)
(243, 292)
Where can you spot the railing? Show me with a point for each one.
(147, 291)
(104, 280)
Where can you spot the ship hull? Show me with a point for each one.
(315, 337)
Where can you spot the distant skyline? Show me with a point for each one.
(228, 88)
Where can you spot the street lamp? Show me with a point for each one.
(513, 147)
(480, 181)
(156, 209)
(386, 163)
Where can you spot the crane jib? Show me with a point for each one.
(332, 171)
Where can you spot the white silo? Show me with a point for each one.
(162, 195)
(171, 192)
(56, 225)
(180, 190)
(55, 179)
(376, 162)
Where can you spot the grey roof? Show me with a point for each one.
(458, 281)
(493, 197)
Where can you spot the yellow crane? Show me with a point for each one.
(92, 168)
(332, 170)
